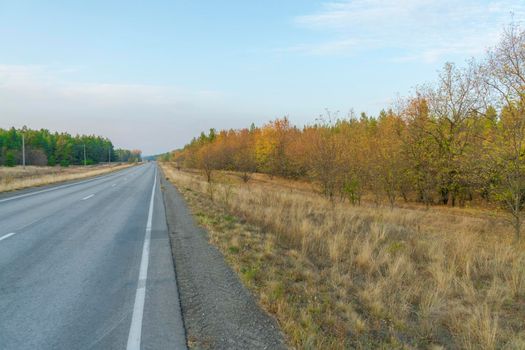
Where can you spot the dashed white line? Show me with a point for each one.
(87, 197)
(7, 236)
(135, 330)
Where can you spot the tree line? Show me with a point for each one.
(43, 147)
(454, 141)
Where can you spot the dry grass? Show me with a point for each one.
(337, 276)
(19, 178)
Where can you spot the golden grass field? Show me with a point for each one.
(17, 178)
(339, 276)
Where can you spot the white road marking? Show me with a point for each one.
(135, 330)
(87, 197)
(7, 236)
(59, 187)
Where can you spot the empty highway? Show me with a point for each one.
(87, 265)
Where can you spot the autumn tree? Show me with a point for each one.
(271, 145)
(420, 149)
(207, 160)
(244, 159)
(389, 162)
(504, 74)
(454, 110)
(326, 162)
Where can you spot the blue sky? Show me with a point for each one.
(153, 74)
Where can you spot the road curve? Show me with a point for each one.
(87, 265)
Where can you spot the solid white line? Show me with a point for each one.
(87, 197)
(7, 236)
(135, 330)
(58, 187)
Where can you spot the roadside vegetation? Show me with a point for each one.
(457, 142)
(396, 231)
(16, 178)
(44, 148)
(55, 157)
(340, 276)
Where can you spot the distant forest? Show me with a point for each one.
(46, 148)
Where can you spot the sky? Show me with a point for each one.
(153, 74)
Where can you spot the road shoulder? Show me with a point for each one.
(218, 311)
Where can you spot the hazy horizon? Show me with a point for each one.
(152, 76)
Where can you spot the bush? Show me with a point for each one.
(10, 159)
(51, 161)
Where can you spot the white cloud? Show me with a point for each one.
(153, 118)
(44, 80)
(422, 29)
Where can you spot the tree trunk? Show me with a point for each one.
(517, 227)
(208, 175)
(444, 196)
(517, 217)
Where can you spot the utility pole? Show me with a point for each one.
(109, 155)
(85, 155)
(23, 151)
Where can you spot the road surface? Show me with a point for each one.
(87, 265)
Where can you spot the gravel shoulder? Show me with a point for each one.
(218, 311)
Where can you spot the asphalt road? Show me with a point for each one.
(87, 265)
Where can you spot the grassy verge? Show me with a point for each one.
(337, 276)
(19, 178)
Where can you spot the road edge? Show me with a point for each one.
(162, 177)
(218, 310)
